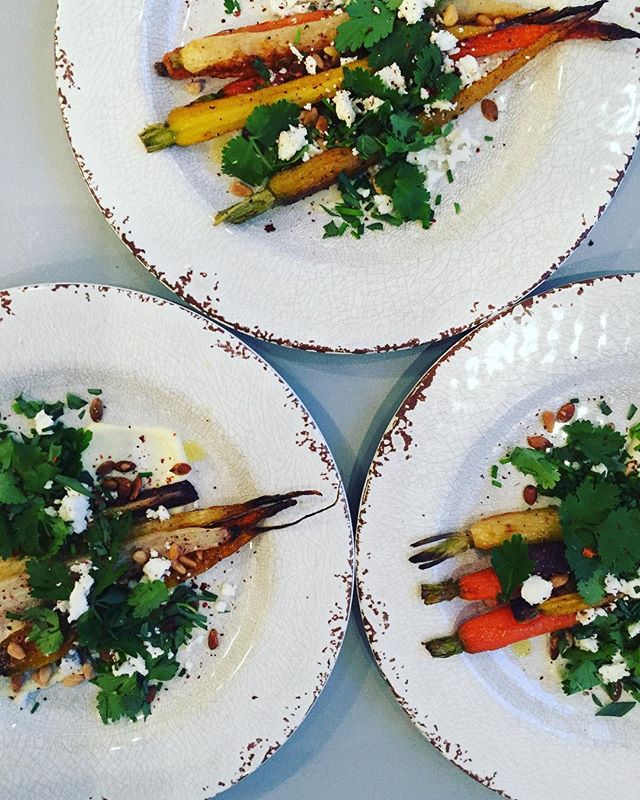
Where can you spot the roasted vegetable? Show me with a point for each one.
(202, 121)
(233, 53)
(180, 493)
(28, 657)
(494, 630)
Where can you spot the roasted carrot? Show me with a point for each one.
(480, 585)
(242, 85)
(494, 630)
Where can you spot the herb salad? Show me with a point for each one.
(571, 568)
(96, 574)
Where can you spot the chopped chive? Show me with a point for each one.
(82, 413)
(457, 207)
(72, 483)
(375, 226)
(145, 474)
(605, 408)
(450, 176)
(494, 471)
(616, 709)
(74, 402)
(505, 460)
(574, 400)
(296, 39)
(632, 411)
(596, 700)
(94, 391)
(438, 200)
(488, 138)
(35, 707)
(497, 483)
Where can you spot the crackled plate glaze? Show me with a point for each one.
(567, 127)
(501, 717)
(163, 365)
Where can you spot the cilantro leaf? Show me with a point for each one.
(364, 26)
(427, 66)
(579, 678)
(535, 463)
(10, 494)
(591, 589)
(599, 444)
(512, 564)
(266, 123)
(121, 696)
(45, 630)
(410, 197)
(49, 580)
(232, 7)
(242, 159)
(619, 541)
(27, 408)
(616, 709)
(146, 596)
(362, 83)
(75, 402)
(401, 46)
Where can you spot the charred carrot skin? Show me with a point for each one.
(494, 630)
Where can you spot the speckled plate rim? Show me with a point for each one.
(340, 612)
(64, 81)
(418, 394)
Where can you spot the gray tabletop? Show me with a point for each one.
(356, 742)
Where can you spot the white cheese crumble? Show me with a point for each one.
(161, 514)
(227, 590)
(469, 70)
(156, 568)
(295, 51)
(311, 151)
(633, 628)
(590, 644)
(50, 511)
(311, 65)
(220, 607)
(393, 78)
(587, 615)
(413, 10)
(132, 665)
(347, 60)
(441, 105)
(536, 590)
(42, 421)
(77, 603)
(599, 469)
(344, 107)
(615, 671)
(48, 485)
(613, 585)
(447, 152)
(444, 40)
(383, 203)
(291, 141)
(75, 509)
(154, 652)
(372, 103)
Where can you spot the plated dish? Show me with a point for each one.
(153, 602)
(450, 284)
(553, 377)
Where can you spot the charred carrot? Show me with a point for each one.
(480, 585)
(494, 630)
(242, 85)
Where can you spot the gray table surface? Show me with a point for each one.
(356, 742)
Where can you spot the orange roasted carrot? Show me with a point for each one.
(480, 585)
(494, 630)
(242, 85)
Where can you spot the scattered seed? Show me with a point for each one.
(73, 680)
(566, 412)
(331, 51)
(123, 488)
(484, 21)
(42, 676)
(136, 488)
(199, 555)
(499, 20)
(489, 109)
(450, 15)
(240, 189)
(125, 466)
(96, 409)
(631, 467)
(88, 671)
(140, 557)
(559, 580)
(17, 682)
(530, 494)
(309, 117)
(110, 484)
(105, 468)
(188, 562)
(16, 651)
(176, 566)
(212, 639)
(548, 421)
(538, 442)
(181, 468)
(616, 691)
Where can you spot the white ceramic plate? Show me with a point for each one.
(163, 365)
(567, 128)
(500, 717)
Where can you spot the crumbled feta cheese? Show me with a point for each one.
(50, 511)
(633, 629)
(311, 151)
(311, 65)
(587, 615)
(154, 652)
(153, 553)
(220, 607)
(364, 192)
(412, 10)
(442, 105)
(291, 141)
(48, 485)
(599, 469)
(347, 60)
(75, 509)
(444, 40)
(156, 568)
(536, 590)
(372, 103)
(393, 78)
(469, 70)
(383, 203)
(615, 671)
(447, 152)
(590, 644)
(632, 588)
(344, 107)
(77, 603)
(42, 421)
(613, 585)
(424, 94)
(295, 51)
(161, 514)
(132, 665)
(227, 590)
